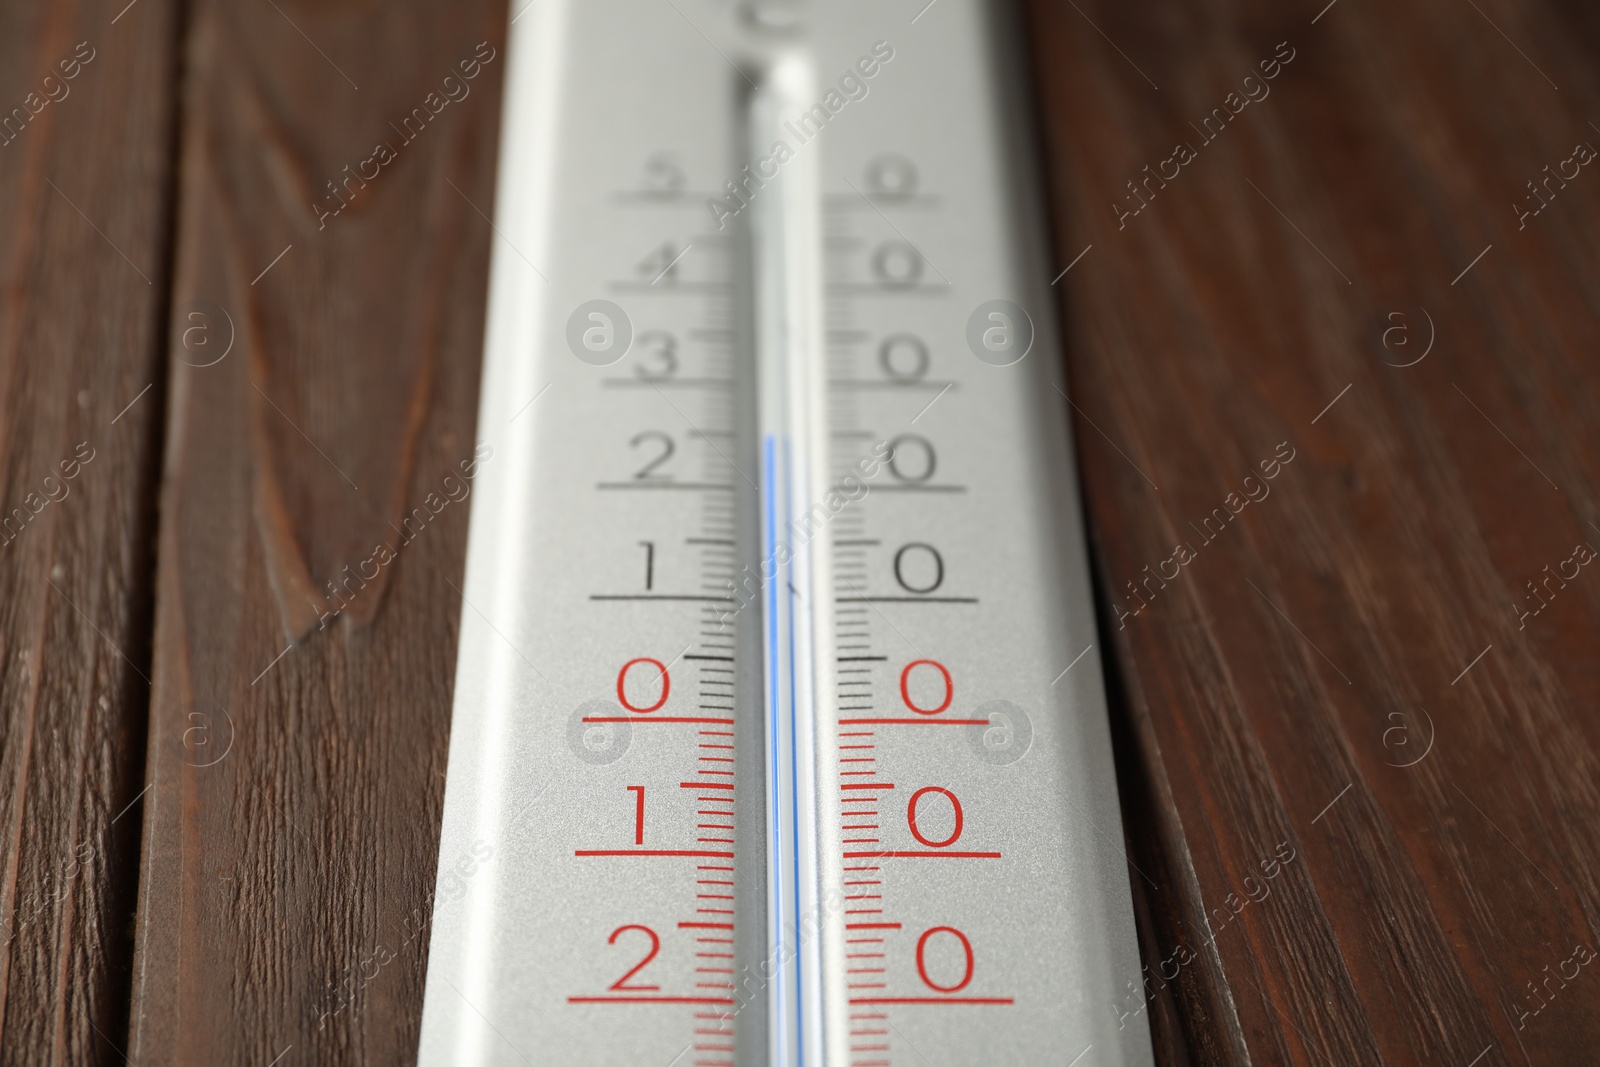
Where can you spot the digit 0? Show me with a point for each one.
(905, 687)
(929, 581)
(897, 265)
(911, 816)
(922, 967)
(666, 685)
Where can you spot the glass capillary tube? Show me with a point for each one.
(790, 373)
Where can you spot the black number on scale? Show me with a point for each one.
(896, 265)
(911, 458)
(663, 177)
(662, 264)
(667, 448)
(649, 563)
(904, 358)
(891, 176)
(916, 550)
(660, 349)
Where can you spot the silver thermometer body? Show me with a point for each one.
(778, 735)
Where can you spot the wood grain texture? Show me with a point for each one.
(1278, 673)
(1368, 609)
(302, 677)
(86, 120)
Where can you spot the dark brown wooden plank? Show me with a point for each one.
(289, 862)
(87, 109)
(1274, 682)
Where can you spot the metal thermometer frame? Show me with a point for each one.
(823, 775)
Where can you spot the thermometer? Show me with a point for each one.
(778, 735)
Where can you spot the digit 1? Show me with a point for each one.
(649, 563)
(638, 814)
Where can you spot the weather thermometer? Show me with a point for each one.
(777, 735)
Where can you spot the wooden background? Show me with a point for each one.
(215, 809)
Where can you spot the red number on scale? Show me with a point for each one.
(922, 967)
(621, 984)
(638, 814)
(666, 684)
(911, 816)
(905, 686)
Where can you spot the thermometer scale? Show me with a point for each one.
(776, 737)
